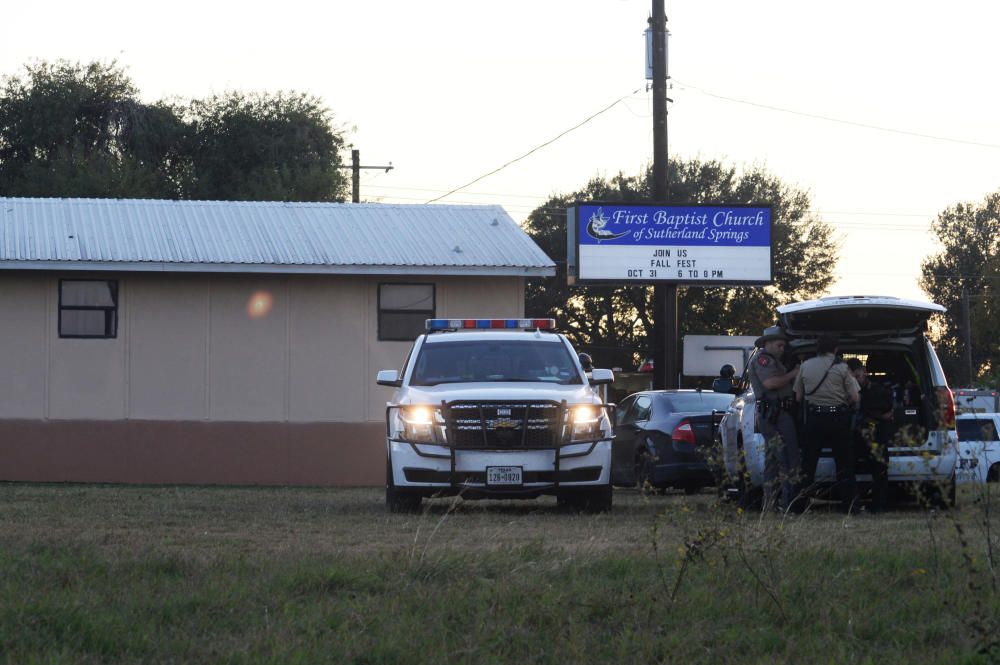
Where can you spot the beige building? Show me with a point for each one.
(209, 342)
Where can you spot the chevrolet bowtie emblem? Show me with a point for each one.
(505, 423)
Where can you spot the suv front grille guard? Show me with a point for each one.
(504, 426)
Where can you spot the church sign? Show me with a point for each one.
(691, 245)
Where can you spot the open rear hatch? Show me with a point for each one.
(890, 331)
(857, 316)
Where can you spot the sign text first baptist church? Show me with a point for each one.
(615, 242)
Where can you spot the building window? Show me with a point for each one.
(403, 309)
(88, 308)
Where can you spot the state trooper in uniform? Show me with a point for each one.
(772, 386)
(830, 395)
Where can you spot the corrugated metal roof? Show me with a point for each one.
(245, 236)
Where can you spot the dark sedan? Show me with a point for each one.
(663, 438)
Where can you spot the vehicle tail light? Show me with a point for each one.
(683, 433)
(946, 407)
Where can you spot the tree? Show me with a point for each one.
(265, 147)
(970, 237)
(79, 130)
(614, 323)
(68, 129)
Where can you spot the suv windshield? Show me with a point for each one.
(494, 360)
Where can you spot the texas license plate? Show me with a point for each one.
(504, 475)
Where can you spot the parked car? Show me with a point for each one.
(887, 334)
(665, 438)
(978, 447)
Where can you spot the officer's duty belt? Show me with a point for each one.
(816, 408)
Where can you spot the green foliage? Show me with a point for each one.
(265, 148)
(609, 320)
(79, 130)
(970, 237)
(321, 575)
(74, 130)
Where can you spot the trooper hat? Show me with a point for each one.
(770, 333)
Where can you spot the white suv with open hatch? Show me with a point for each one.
(888, 336)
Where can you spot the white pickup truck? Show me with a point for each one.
(978, 447)
(977, 400)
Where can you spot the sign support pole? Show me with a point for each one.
(665, 341)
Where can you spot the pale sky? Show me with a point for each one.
(449, 90)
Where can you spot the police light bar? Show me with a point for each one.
(490, 324)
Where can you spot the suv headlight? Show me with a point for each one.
(588, 422)
(418, 424)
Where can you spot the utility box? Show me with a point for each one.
(704, 355)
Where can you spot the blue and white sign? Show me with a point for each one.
(680, 244)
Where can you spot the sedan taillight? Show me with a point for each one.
(683, 433)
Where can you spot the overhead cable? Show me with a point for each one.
(537, 148)
(827, 118)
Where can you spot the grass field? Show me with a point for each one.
(95, 574)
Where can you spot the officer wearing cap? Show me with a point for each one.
(772, 386)
(830, 394)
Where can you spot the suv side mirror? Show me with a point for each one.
(389, 377)
(601, 377)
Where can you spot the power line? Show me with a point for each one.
(537, 148)
(504, 195)
(827, 118)
(508, 195)
(434, 190)
(526, 210)
(716, 96)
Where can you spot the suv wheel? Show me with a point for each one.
(586, 501)
(597, 500)
(397, 500)
(938, 495)
(644, 465)
(749, 497)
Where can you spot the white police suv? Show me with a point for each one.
(496, 408)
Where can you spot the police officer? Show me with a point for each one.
(724, 382)
(830, 394)
(873, 430)
(772, 386)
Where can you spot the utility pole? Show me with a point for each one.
(665, 342)
(356, 174)
(966, 340)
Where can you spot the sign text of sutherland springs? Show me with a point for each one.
(684, 244)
